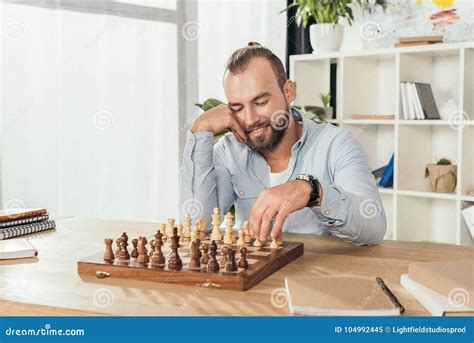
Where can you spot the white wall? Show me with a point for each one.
(89, 108)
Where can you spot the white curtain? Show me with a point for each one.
(228, 25)
(89, 114)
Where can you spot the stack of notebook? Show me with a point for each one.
(19, 222)
(444, 288)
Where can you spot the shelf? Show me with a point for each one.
(469, 198)
(386, 190)
(430, 195)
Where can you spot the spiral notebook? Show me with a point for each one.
(26, 229)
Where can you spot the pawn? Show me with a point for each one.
(108, 254)
(243, 263)
(163, 231)
(223, 261)
(212, 265)
(231, 264)
(124, 255)
(279, 240)
(117, 244)
(241, 240)
(257, 243)
(205, 253)
(134, 252)
(274, 244)
(245, 228)
(152, 248)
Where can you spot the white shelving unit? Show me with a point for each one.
(368, 82)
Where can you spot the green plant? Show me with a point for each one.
(325, 99)
(322, 11)
(444, 162)
(208, 104)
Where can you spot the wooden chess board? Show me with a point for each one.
(262, 261)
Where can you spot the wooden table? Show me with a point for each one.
(50, 285)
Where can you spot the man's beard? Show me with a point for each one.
(277, 132)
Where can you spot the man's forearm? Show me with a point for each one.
(355, 219)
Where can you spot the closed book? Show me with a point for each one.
(435, 303)
(16, 248)
(414, 39)
(416, 102)
(387, 178)
(17, 213)
(427, 101)
(445, 277)
(22, 221)
(340, 296)
(27, 229)
(403, 94)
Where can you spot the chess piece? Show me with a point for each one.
(257, 243)
(124, 239)
(152, 248)
(223, 260)
(274, 244)
(187, 227)
(241, 240)
(158, 259)
(117, 246)
(202, 229)
(231, 264)
(194, 262)
(216, 234)
(134, 252)
(174, 261)
(170, 227)
(228, 235)
(205, 253)
(212, 265)
(124, 255)
(109, 253)
(180, 232)
(195, 233)
(245, 228)
(163, 231)
(243, 263)
(280, 240)
(142, 250)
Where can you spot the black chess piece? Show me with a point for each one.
(231, 264)
(152, 248)
(212, 265)
(134, 252)
(243, 263)
(195, 262)
(174, 261)
(205, 253)
(158, 259)
(124, 238)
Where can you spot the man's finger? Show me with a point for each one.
(279, 221)
(267, 219)
(256, 215)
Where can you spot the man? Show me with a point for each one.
(280, 170)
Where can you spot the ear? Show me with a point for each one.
(289, 91)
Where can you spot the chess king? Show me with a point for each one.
(283, 172)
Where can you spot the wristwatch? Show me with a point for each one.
(313, 181)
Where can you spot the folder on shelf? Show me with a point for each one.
(387, 178)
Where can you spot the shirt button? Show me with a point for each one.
(191, 141)
(241, 192)
(327, 212)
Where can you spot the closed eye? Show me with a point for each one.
(261, 103)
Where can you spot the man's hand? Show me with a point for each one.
(277, 203)
(218, 120)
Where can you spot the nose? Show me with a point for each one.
(250, 116)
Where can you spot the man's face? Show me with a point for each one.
(259, 104)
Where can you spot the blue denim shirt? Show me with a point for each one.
(231, 173)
